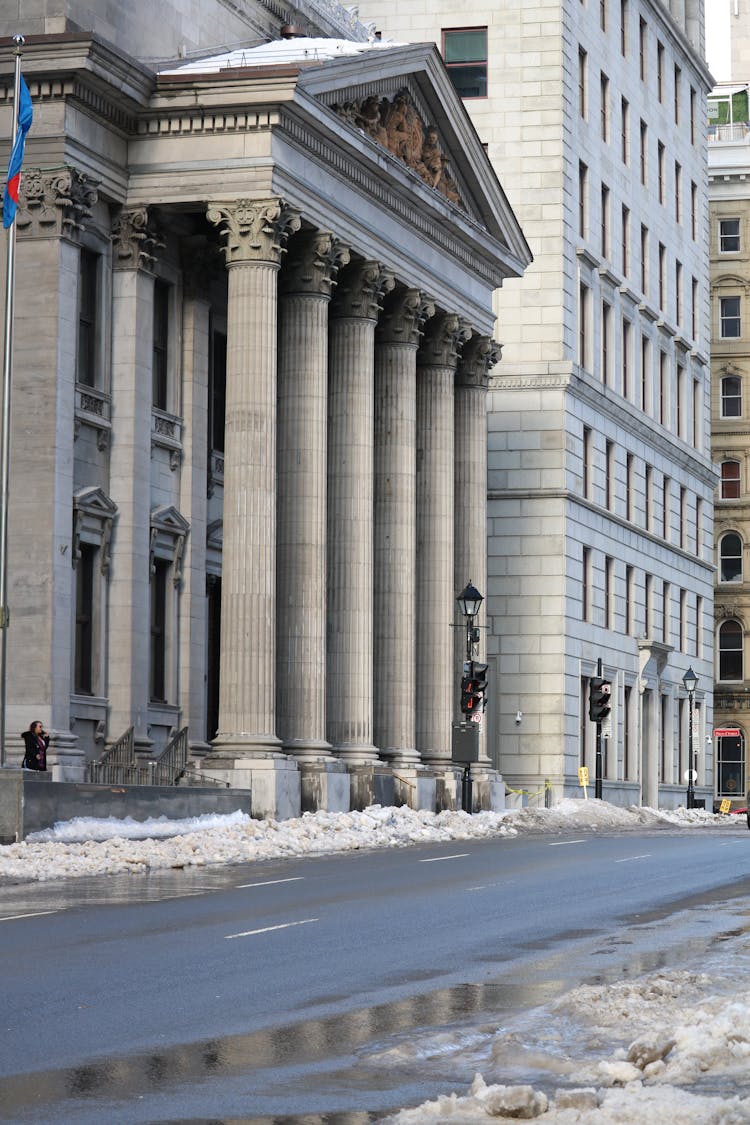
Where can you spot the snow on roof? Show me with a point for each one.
(281, 52)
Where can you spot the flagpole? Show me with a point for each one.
(5, 423)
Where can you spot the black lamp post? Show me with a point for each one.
(469, 601)
(690, 681)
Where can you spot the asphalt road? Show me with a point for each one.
(246, 992)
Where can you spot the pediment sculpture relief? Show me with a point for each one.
(396, 125)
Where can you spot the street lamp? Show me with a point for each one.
(690, 682)
(469, 601)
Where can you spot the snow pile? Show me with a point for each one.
(680, 1051)
(94, 846)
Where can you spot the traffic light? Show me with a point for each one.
(600, 695)
(474, 688)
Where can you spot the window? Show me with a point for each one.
(694, 307)
(729, 236)
(647, 497)
(678, 293)
(605, 221)
(604, 106)
(692, 115)
(84, 638)
(730, 558)
(218, 390)
(698, 527)
(666, 617)
(629, 587)
(88, 284)
(586, 584)
(694, 210)
(697, 442)
(683, 517)
(644, 259)
(680, 419)
(677, 93)
(627, 732)
(663, 389)
(683, 621)
(677, 191)
(660, 171)
(642, 48)
(644, 151)
(624, 131)
(609, 587)
(648, 598)
(588, 450)
(168, 531)
(606, 329)
(582, 85)
(625, 240)
(609, 475)
(698, 627)
(731, 396)
(583, 325)
(730, 480)
(160, 366)
(583, 189)
(730, 765)
(664, 771)
(660, 71)
(624, 27)
(465, 56)
(662, 276)
(158, 665)
(627, 347)
(729, 313)
(603, 14)
(730, 651)
(629, 485)
(666, 509)
(645, 368)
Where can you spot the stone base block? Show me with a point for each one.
(415, 788)
(274, 783)
(326, 786)
(371, 784)
(447, 789)
(488, 792)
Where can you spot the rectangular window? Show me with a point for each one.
(88, 285)
(623, 27)
(666, 633)
(644, 151)
(663, 389)
(730, 480)
(606, 342)
(583, 325)
(624, 131)
(642, 48)
(697, 415)
(731, 396)
(645, 370)
(609, 587)
(588, 450)
(660, 171)
(160, 367)
(218, 390)
(678, 293)
(605, 221)
(609, 475)
(582, 83)
(681, 385)
(586, 585)
(677, 191)
(729, 236)
(660, 71)
(662, 276)
(729, 309)
(698, 527)
(693, 100)
(730, 765)
(664, 771)
(648, 488)
(603, 14)
(627, 360)
(666, 509)
(629, 586)
(683, 620)
(84, 638)
(698, 627)
(683, 517)
(677, 93)
(629, 486)
(465, 57)
(694, 307)
(627, 733)
(158, 667)
(583, 189)
(625, 240)
(604, 106)
(648, 597)
(694, 210)
(644, 260)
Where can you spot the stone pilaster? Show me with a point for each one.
(130, 474)
(397, 339)
(349, 682)
(435, 581)
(478, 355)
(254, 233)
(306, 284)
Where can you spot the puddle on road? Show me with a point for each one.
(352, 1068)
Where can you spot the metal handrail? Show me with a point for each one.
(115, 763)
(171, 764)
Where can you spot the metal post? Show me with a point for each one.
(598, 777)
(466, 790)
(5, 424)
(691, 769)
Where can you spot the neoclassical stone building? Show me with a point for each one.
(252, 342)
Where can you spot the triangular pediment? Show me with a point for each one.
(95, 502)
(168, 518)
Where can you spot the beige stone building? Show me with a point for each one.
(253, 336)
(600, 480)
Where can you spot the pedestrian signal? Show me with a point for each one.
(474, 688)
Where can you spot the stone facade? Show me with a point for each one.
(230, 374)
(600, 482)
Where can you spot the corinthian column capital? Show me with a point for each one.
(135, 239)
(313, 261)
(444, 336)
(255, 229)
(403, 317)
(361, 290)
(478, 355)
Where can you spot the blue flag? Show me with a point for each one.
(25, 115)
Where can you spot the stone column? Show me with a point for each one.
(479, 354)
(306, 283)
(199, 268)
(349, 685)
(397, 339)
(130, 468)
(435, 582)
(247, 748)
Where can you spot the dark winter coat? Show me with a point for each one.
(35, 757)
